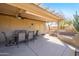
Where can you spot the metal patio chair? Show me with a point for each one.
(9, 40)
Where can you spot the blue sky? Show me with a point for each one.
(68, 9)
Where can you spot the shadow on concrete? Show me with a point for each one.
(39, 47)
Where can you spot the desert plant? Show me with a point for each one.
(65, 22)
(76, 22)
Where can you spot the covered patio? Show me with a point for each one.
(23, 32)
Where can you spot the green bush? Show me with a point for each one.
(76, 22)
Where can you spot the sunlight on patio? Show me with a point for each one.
(56, 41)
(53, 39)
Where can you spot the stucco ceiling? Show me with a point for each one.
(30, 11)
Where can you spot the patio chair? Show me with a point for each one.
(2, 39)
(30, 35)
(26, 36)
(18, 36)
(35, 34)
(8, 39)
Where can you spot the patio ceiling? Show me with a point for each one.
(30, 11)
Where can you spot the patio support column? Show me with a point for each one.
(58, 26)
(48, 27)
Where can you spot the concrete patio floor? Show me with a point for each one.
(42, 46)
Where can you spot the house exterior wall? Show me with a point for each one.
(9, 23)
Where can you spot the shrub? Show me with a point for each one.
(76, 22)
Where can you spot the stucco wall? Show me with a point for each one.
(8, 23)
